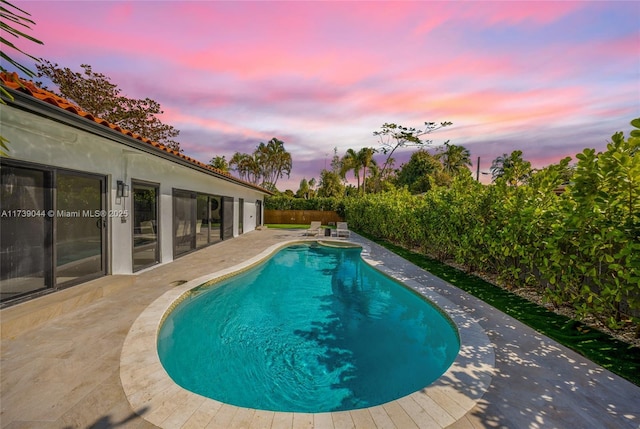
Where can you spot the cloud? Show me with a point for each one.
(548, 77)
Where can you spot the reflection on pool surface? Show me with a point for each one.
(313, 329)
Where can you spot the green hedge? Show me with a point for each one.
(580, 248)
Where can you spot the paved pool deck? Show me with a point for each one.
(78, 359)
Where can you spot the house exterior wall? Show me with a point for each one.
(37, 139)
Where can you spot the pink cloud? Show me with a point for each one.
(119, 13)
(223, 127)
(536, 13)
(330, 73)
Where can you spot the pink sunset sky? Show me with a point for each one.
(548, 78)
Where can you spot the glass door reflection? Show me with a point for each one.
(25, 231)
(145, 226)
(80, 227)
(202, 220)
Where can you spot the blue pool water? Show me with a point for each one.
(313, 329)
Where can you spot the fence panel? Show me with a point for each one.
(301, 217)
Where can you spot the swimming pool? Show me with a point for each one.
(312, 329)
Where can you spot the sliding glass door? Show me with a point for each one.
(227, 217)
(52, 229)
(80, 227)
(202, 220)
(145, 225)
(197, 220)
(25, 231)
(184, 222)
(215, 218)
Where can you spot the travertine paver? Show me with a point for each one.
(66, 372)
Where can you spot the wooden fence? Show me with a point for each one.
(301, 217)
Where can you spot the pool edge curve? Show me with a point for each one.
(148, 387)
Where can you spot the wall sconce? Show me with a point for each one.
(122, 190)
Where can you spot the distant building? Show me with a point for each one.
(82, 198)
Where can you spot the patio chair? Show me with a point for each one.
(314, 228)
(342, 229)
(146, 227)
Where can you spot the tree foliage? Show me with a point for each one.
(268, 162)
(94, 93)
(351, 162)
(512, 168)
(330, 184)
(365, 156)
(220, 163)
(393, 136)
(422, 172)
(274, 161)
(304, 190)
(14, 23)
(454, 158)
(578, 248)
(247, 166)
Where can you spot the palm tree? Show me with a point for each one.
(312, 186)
(365, 156)
(14, 23)
(247, 166)
(454, 158)
(220, 163)
(350, 162)
(274, 161)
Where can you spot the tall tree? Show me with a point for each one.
(94, 93)
(513, 169)
(303, 190)
(421, 173)
(247, 166)
(365, 157)
(330, 184)
(453, 157)
(274, 161)
(220, 163)
(394, 136)
(350, 161)
(268, 162)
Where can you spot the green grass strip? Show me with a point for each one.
(610, 353)
(286, 226)
(293, 226)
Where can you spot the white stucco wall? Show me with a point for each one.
(40, 140)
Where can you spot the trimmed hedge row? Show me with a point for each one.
(580, 248)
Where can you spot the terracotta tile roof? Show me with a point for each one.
(13, 81)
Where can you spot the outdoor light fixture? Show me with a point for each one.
(122, 190)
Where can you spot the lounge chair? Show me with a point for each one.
(146, 228)
(342, 230)
(314, 228)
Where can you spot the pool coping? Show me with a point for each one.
(159, 400)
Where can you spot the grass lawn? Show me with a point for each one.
(293, 226)
(608, 352)
(286, 226)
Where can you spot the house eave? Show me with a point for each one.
(41, 108)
